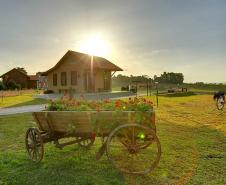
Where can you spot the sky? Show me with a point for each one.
(145, 37)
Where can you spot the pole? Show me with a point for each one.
(136, 89)
(150, 88)
(147, 87)
(157, 95)
(91, 74)
(157, 98)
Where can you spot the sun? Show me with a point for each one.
(94, 46)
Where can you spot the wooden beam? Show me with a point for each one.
(113, 73)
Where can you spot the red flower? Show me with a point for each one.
(97, 108)
(118, 104)
(82, 97)
(93, 136)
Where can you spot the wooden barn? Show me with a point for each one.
(20, 77)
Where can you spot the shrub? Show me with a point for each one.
(180, 94)
(125, 88)
(48, 92)
(2, 86)
(11, 85)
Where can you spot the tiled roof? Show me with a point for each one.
(33, 77)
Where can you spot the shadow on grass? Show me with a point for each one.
(185, 94)
(36, 101)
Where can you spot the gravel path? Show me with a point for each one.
(90, 96)
(22, 109)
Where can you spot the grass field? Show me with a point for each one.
(207, 88)
(21, 100)
(192, 134)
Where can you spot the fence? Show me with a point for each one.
(12, 93)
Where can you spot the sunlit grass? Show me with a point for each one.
(192, 135)
(21, 100)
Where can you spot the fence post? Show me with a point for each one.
(136, 89)
(150, 88)
(2, 96)
(157, 94)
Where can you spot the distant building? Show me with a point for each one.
(74, 72)
(32, 81)
(42, 81)
(20, 77)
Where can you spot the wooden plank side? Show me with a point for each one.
(69, 121)
(84, 121)
(42, 122)
(37, 121)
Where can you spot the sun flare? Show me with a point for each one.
(94, 46)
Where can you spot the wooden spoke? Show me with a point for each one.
(138, 154)
(34, 145)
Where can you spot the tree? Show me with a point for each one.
(2, 86)
(21, 69)
(174, 78)
(12, 85)
(125, 80)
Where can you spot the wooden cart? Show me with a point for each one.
(128, 138)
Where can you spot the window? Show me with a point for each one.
(55, 79)
(63, 78)
(73, 77)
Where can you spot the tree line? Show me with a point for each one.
(171, 78)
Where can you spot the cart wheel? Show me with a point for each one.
(34, 144)
(86, 143)
(133, 148)
(220, 103)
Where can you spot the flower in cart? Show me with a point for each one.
(151, 103)
(143, 99)
(118, 104)
(136, 104)
(107, 101)
(97, 108)
(135, 100)
(82, 97)
(92, 104)
(78, 103)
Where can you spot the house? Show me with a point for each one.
(21, 78)
(79, 72)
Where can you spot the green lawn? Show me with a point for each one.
(192, 134)
(21, 100)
